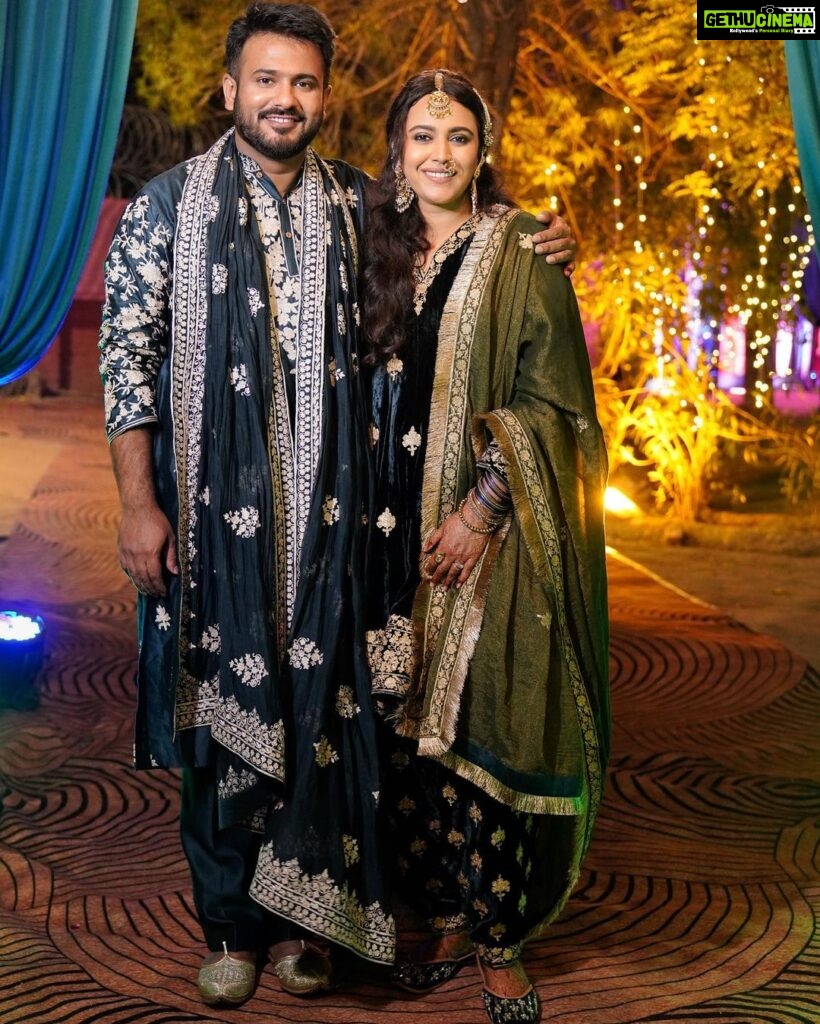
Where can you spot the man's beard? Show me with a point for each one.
(249, 128)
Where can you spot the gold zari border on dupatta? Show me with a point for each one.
(446, 658)
(448, 407)
(196, 701)
(530, 803)
(280, 454)
(541, 537)
(317, 903)
(243, 731)
(310, 358)
(189, 301)
(293, 460)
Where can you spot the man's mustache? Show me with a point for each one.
(282, 112)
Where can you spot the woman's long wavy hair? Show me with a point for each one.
(394, 240)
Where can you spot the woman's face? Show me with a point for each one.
(440, 155)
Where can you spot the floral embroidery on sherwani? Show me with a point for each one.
(304, 653)
(250, 668)
(325, 754)
(133, 336)
(346, 705)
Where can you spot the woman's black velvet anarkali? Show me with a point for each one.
(461, 858)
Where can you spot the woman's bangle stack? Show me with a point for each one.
(492, 494)
(470, 526)
(489, 502)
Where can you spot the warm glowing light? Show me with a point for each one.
(618, 504)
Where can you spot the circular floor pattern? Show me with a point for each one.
(697, 902)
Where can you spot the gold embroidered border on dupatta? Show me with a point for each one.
(317, 903)
(294, 458)
(310, 358)
(339, 198)
(529, 803)
(293, 461)
(541, 536)
(196, 699)
(440, 495)
(196, 702)
(280, 449)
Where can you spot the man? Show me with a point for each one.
(235, 413)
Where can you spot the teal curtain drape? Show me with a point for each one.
(803, 68)
(63, 74)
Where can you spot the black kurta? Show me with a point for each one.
(402, 390)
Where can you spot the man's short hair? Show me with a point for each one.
(296, 21)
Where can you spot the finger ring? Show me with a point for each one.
(439, 558)
(458, 565)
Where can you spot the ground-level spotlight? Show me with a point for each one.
(22, 644)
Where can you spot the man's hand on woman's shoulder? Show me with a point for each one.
(556, 242)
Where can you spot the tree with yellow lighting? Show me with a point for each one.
(674, 160)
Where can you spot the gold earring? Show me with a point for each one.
(474, 187)
(404, 192)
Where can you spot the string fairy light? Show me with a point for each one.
(722, 319)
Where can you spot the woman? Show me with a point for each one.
(488, 638)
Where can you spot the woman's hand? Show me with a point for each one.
(452, 552)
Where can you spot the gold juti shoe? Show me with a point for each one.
(228, 980)
(302, 969)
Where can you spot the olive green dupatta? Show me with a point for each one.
(510, 675)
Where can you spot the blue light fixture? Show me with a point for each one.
(22, 644)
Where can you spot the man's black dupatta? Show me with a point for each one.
(273, 683)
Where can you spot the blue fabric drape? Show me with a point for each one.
(63, 73)
(803, 67)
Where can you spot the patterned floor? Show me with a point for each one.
(699, 896)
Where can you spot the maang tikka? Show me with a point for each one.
(439, 103)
